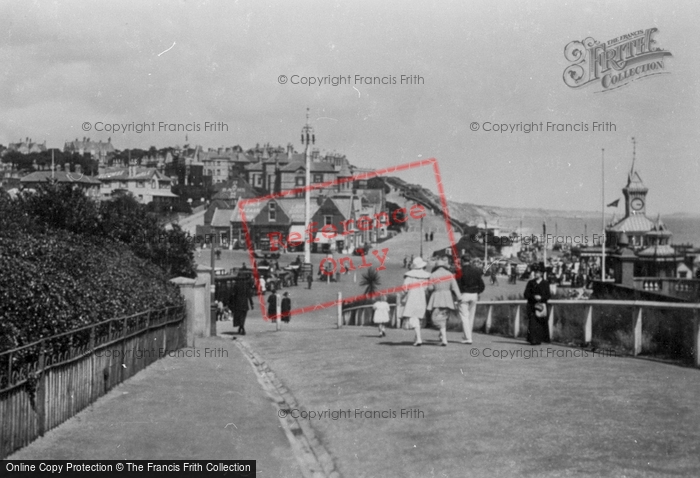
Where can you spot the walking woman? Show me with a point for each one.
(413, 299)
(272, 309)
(537, 295)
(442, 301)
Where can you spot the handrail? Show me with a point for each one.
(640, 309)
(86, 327)
(357, 307)
(620, 303)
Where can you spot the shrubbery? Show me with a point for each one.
(66, 262)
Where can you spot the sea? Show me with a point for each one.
(685, 229)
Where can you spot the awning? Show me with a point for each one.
(322, 239)
(297, 228)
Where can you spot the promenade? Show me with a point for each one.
(384, 408)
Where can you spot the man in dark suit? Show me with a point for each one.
(537, 294)
(470, 285)
(240, 301)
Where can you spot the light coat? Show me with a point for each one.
(414, 299)
(441, 296)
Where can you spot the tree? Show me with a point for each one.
(397, 223)
(370, 281)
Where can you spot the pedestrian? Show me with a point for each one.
(286, 307)
(413, 299)
(494, 277)
(537, 295)
(262, 285)
(381, 314)
(240, 301)
(219, 310)
(427, 237)
(441, 302)
(432, 236)
(405, 261)
(272, 312)
(310, 278)
(471, 284)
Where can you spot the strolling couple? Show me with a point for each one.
(418, 281)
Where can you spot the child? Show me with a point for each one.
(381, 314)
(286, 307)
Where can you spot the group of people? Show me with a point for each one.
(240, 301)
(445, 294)
(439, 293)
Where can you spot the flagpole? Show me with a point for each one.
(544, 257)
(602, 272)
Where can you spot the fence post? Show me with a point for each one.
(696, 336)
(638, 332)
(340, 309)
(488, 319)
(516, 322)
(550, 321)
(40, 394)
(92, 363)
(588, 325)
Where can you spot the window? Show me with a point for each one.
(218, 172)
(327, 220)
(318, 178)
(299, 181)
(272, 211)
(139, 184)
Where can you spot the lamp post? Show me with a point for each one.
(307, 138)
(602, 248)
(486, 247)
(421, 236)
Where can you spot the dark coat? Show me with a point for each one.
(286, 308)
(241, 297)
(272, 306)
(471, 281)
(538, 327)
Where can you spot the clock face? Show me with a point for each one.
(637, 204)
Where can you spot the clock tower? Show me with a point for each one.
(635, 192)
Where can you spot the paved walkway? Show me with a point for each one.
(386, 408)
(207, 406)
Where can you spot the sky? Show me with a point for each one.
(66, 63)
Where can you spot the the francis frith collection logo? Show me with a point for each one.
(614, 63)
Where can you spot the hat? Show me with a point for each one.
(418, 263)
(465, 259)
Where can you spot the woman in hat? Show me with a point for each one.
(413, 298)
(442, 301)
(537, 295)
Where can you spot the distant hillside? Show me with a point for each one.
(474, 214)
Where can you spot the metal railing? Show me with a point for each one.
(661, 329)
(44, 383)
